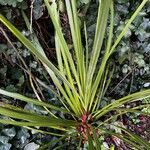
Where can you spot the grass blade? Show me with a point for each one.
(98, 40)
(128, 25)
(117, 103)
(76, 37)
(96, 140)
(31, 124)
(44, 147)
(90, 143)
(31, 100)
(135, 138)
(52, 9)
(105, 57)
(122, 137)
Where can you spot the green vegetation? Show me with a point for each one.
(80, 80)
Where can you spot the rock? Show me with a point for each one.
(31, 146)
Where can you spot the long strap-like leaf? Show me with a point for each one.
(31, 100)
(98, 40)
(52, 70)
(117, 103)
(128, 25)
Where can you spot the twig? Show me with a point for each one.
(31, 15)
(122, 80)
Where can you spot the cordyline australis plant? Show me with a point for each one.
(80, 80)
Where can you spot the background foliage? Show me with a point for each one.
(132, 69)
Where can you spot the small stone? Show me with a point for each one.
(10, 132)
(4, 139)
(105, 145)
(124, 70)
(5, 146)
(146, 85)
(31, 146)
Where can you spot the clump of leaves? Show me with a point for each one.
(10, 2)
(81, 82)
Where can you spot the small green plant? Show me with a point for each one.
(80, 80)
